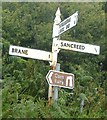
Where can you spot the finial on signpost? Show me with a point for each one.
(58, 12)
(57, 20)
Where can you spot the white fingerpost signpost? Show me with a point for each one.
(54, 77)
(53, 91)
(59, 28)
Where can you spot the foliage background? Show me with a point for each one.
(24, 87)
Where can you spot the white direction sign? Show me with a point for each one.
(68, 23)
(61, 79)
(80, 47)
(30, 53)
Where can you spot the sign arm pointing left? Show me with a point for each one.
(30, 53)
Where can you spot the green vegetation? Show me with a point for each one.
(24, 86)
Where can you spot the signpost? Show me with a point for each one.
(30, 53)
(80, 47)
(60, 79)
(53, 91)
(54, 77)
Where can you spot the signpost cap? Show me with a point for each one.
(58, 13)
(57, 19)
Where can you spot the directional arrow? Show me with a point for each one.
(49, 75)
(61, 79)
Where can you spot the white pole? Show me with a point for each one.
(55, 51)
(55, 36)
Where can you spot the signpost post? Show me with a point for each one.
(54, 90)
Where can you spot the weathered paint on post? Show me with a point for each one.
(55, 51)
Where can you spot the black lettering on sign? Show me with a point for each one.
(68, 45)
(15, 50)
(65, 45)
(12, 50)
(61, 44)
(74, 22)
(95, 49)
(71, 45)
(25, 52)
(61, 30)
(65, 22)
(19, 51)
(67, 26)
(83, 47)
(74, 45)
(77, 46)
